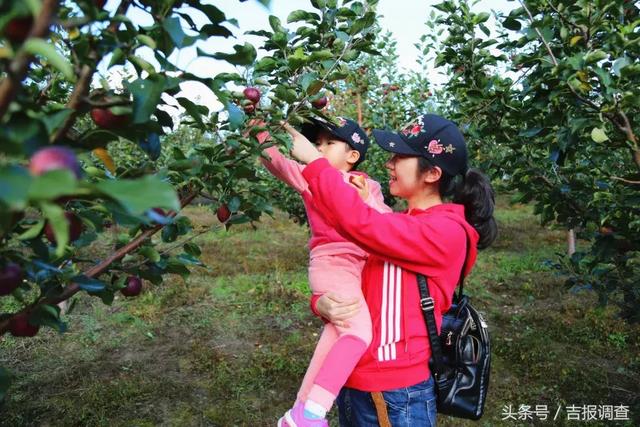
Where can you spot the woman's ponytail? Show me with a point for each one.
(474, 191)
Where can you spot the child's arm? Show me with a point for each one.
(286, 170)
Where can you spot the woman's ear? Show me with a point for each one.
(432, 175)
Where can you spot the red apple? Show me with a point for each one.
(75, 228)
(18, 29)
(394, 87)
(252, 94)
(223, 213)
(99, 3)
(249, 109)
(51, 158)
(320, 103)
(133, 287)
(105, 119)
(20, 326)
(10, 278)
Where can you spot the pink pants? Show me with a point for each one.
(339, 349)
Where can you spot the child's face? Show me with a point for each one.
(339, 154)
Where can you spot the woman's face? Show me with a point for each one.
(403, 176)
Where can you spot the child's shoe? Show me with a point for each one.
(295, 418)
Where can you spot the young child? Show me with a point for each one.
(335, 265)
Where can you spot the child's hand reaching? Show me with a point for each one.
(360, 184)
(302, 150)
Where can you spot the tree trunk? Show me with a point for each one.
(571, 242)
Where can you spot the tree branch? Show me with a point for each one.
(566, 21)
(18, 68)
(555, 61)
(617, 178)
(98, 269)
(625, 126)
(83, 85)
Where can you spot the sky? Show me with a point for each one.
(404, 18)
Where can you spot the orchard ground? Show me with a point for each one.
(229, 345)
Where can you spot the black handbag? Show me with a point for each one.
(460, 355)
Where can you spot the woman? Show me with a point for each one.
(428, 165)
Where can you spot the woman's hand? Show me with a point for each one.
(303, 150)
(337, 309)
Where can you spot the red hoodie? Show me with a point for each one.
(431, 241)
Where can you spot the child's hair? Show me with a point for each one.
(474, 191)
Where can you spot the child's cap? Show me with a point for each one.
(345, 130)
(430, 136)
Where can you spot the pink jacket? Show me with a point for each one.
(290, 172)
(432, 242)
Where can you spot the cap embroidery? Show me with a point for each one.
(341, 121)
(392, 144)
(414, 129)
(435, 147)
(356, 138)
(449, 148)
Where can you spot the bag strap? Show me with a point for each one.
(427, 305)
(381, 409)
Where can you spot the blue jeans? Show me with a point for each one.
(413, 406)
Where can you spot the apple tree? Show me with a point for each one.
(89, 166)
(549, 103)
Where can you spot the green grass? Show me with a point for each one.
(230, 345)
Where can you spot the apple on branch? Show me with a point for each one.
(10, 278)
(52, 158)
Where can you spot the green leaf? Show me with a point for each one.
(88, 284)
(236, 116)
(47, 50)
(117, 58)
(481, 17)
(146, 96)
(275, 23)
(137, 196)
(173, 27)
(315, 87)
(320, 55)
(146, 40)
(14, 186)
(307, 79)
(54, 120)
(302, 15)
(32, 232)
(266, 64)
(530, 132)
(192, 249)
(512, 24)
(363, 23)
(298, 59)
(48, 315)
(244, 55)
(214, 14)
(53, 184)
(598, 135)
(150, 253)
(286, 94)
(595, 56)
(58, 222)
